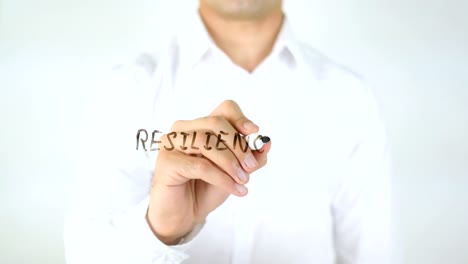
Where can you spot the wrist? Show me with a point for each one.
(170, 235)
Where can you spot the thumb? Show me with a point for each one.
(231, 111)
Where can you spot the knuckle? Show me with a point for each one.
(204, 131)
(200, 139)
(234, 108)
(229, 103)
(240, 119)
(216, 121)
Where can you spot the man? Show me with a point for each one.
(160, 189)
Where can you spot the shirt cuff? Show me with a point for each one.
(157, 250)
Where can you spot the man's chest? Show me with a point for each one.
(289, 199)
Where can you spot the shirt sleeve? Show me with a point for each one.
(107, 222)
(361, 206)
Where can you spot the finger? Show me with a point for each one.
(194, 168)
(262, 154)
(199, 143)
(231, 111)
(225, 133)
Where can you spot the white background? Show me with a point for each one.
(413, 52)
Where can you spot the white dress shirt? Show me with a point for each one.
(323, 197)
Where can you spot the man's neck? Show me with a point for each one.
(246, 42)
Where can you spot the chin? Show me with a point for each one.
(244, 9)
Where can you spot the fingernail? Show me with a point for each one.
(241, 174)
(249, 126)
(250, 161)
(241, 189)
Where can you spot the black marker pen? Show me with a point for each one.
(256, 141)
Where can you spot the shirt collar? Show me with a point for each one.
(286, 43)
(195, 42)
